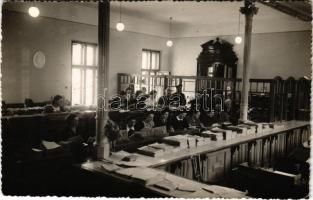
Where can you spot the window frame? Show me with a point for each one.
(150, 65)
(83, 68)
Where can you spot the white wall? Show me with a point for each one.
(284, 54)
(23, 36)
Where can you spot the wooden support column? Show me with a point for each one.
(102, 143)
(248, 10)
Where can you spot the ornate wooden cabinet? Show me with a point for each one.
(217, 60)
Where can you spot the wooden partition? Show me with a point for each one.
(191, 84)
(303, 91)
(261, 151)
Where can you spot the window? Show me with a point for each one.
(84, 73)
(150, 62)
(210, 71)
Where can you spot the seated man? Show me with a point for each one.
(179, 122)
(220, 115)
(129, 128)
(162, 119)
(165, 99)
(178, 98)
(194, 120)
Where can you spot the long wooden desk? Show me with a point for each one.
(219, 157)
(218, 145)
(185, 188)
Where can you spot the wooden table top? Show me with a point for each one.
(215, 145)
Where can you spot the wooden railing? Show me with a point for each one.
(271, 99)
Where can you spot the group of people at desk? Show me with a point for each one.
(140, 100)
(156, 125)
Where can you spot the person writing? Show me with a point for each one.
(57, 105)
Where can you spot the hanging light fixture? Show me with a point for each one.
(169, 42)
(33, 11)
(120, 26)
(238, 38)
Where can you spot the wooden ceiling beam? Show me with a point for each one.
(287, 8)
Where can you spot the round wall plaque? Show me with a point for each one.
(39, 59)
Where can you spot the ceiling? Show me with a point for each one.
(299, 9)
(190, 18)
(202, 13)
(185, 12)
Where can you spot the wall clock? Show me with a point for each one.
(39, 59)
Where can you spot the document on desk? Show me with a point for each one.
(201, 193)
(123, 158)
(118, 156)
(147, 176)
(50, 145)
(110, 167)
(151, 151)
(166, 185)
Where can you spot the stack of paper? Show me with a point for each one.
(195, 140)
(209, 135)
(250, 130)
(227, 134)
(177, 140)
(259, 128)
(276, 126)
(266, 127)
(151, 151)
(218, 136)
(147, 176)
(240, 131)
(166, 185)
(166, 147)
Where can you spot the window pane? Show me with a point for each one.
(96, 88)
(145, 60)
(90, 56)
(96, 56)
(76, 86)
(155, 60)
(77, 54)
(89, 87)
(144, 72)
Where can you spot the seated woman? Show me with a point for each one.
(140, 101)
(147, 123)
(194, 120)
(131, 98)
(152, 100)
(112, 130)
(162, 119)
(179, 122)
(71, 138)
(57, 105)
(119, 102)
(128, 130)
